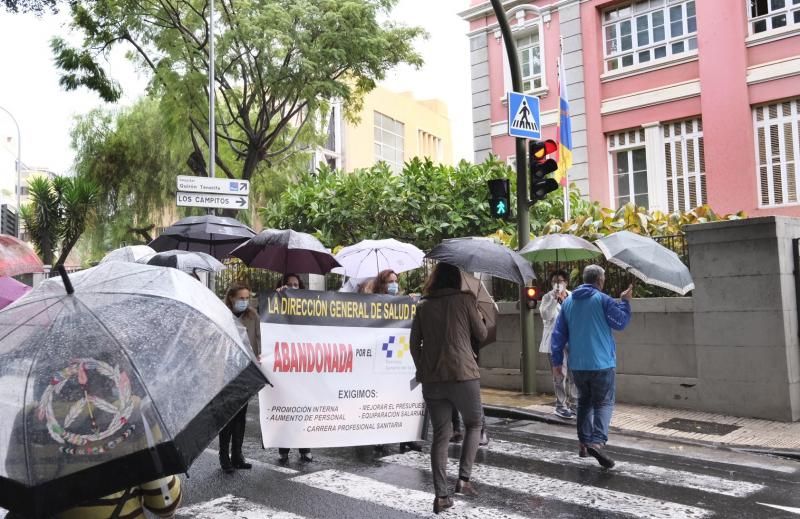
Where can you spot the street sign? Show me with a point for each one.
(523, 116)
(223, 201)
(213, 185)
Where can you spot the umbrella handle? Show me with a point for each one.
(65, 278)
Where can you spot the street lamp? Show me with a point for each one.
(19, 163)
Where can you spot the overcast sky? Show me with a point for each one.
(29, 87)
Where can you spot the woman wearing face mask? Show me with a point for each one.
(550, 307)
(231, 438)
(292, 281)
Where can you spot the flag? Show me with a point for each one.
(564, 128)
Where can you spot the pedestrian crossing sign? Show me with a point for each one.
(523, 116)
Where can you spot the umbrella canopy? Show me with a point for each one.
(125, 380)
(486, 305)
(647, 260)
(485, 256)
(215, 235)
(11, 290)
(131, 253)
(186, 261)
(558, 247)
(16, 257)
(286, 251)
(367, 258)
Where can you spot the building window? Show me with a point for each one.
(685, 165)
(530, 60)
(766, 15)
(777, 148)
(330, 142)
(648, 30)
(629, 157)
(389, 144)
(429, 145)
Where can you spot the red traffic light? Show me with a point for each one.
(538, 150)
(531, 294)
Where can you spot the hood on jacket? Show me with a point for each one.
(584, 291)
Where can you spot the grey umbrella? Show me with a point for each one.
(558, 247)
(215, 235)
(485, 256)
(647, 260)
(286, 251)
(186, 261)
(130, 253)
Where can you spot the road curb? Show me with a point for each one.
(498, 411)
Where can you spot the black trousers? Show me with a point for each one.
(231, 437)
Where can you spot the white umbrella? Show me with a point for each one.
(367, 258)
(131, 253)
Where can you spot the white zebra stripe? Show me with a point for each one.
(402, 499)
(232, 507)
(664, 476)
(565, 491)
(784, 508)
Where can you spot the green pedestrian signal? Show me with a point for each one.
(500, 198)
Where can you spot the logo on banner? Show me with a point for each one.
(394, 354)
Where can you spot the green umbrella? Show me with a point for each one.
(559, 247)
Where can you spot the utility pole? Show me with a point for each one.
(529, 351)
(19, 163)
(212, 135)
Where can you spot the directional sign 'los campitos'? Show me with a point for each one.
(211, 200)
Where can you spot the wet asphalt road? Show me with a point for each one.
(529, 470)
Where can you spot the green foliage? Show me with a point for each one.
(423, 205)
(278, 63)
(30, 6)
(593, 221)
(58, 213)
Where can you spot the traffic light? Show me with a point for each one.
(540, 167)
(500, 198)
(531, 294)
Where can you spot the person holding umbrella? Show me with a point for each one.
(292, 281)
(441, 347)
(550, 307)
(586, 321)
(231, 437)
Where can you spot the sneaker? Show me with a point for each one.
(599, 453)
(564, 412)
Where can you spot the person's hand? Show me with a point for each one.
(627, 294)
(281, 289)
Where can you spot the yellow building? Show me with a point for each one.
(393, 127)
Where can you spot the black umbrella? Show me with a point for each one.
(648, 260)
(125, 380)
(215, 235)
(485, 256)
(286, 251)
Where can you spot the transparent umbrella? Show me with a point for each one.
(186, 261)
(128, 253)
(124, 379)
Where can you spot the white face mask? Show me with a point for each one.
(393, 288)
(240, 305)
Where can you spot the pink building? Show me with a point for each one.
(675, 103)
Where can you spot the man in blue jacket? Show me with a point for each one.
(586, 321)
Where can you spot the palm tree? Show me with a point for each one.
(57, 214)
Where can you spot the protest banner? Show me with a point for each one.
(341, 368)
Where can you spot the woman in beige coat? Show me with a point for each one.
(445, 321)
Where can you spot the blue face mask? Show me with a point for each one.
(393, 288)
(240, 305)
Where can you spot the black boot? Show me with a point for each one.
(225, 461)
(239, 462)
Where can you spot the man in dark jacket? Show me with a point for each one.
(586, 321)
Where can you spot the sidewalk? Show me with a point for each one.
(666, 424)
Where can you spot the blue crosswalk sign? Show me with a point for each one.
(523, 116)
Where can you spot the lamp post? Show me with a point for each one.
(19, 162)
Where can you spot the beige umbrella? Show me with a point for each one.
(486, 305)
